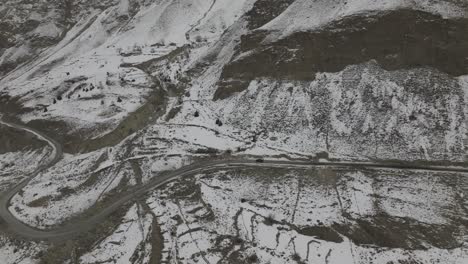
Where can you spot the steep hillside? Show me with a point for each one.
(89, 81)
(82, 81)
(233, 131)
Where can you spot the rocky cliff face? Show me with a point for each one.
(397, 39)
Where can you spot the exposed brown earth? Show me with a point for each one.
(398, 39)
(17, 140)
(392, 232)
(264, 11)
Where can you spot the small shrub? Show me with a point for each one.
(296, 257)
(253, 258)
(269, 220)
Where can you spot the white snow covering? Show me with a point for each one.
(69, 188)
(14, 166)
(125, 242)
(305, 118)
(238, 203)
(25, 253)
(92, 50)
(47, 30)
(270, 118)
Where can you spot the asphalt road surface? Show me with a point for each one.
(67, 231)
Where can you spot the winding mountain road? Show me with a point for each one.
(67, 231)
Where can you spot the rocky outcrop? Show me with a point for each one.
(264, 11)
(396, 39)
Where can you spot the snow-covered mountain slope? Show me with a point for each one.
(80, 79)
(350, 87)
(116, 56)
(133, 89)
(30, 27)
(362, 112)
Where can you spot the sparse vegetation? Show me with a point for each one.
(253, 258)
(296, 257)
(250, 142)
(269, 219)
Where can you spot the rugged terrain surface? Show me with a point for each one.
(154, 101)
